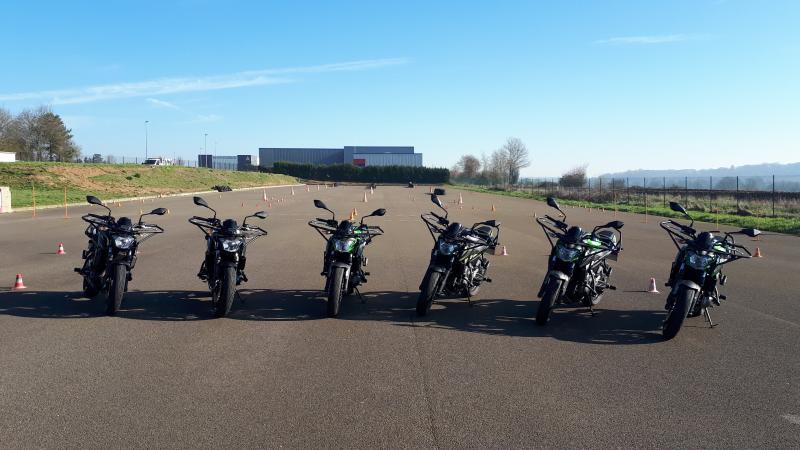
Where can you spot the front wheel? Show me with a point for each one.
(427, 294)
(227, 290)
(335, 291)
(116, 288)
(547, 302)
(678, 313)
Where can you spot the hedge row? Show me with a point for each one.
(369, 174)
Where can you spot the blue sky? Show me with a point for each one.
(612, 84)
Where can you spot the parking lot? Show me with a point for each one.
(279, 373)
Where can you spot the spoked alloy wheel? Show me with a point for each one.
(427, 294)
(116, 288)
(336, 291)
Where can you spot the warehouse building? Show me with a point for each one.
(362, 156)
(238, 162)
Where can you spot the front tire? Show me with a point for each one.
(547, 302)
(227, 290)
(335, 291)
(678, 313)
(116, 288)
(428, 293)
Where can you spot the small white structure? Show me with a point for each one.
(8, 157)
(5, 199)
(157, 161)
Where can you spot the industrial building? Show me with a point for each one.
(238, 162)
(361, 156)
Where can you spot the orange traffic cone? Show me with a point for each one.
(292, 191)
(365, 197)
(431, 190)
(757, 254)
(371, 191)
(18, 284)
(308, 188)
(61, 249)
(242, 204)
(355, 213)
(264, 196)
(493, 208)
(168, 211)
(534, 214)
(460, 199)
(317, 188)
(505, 252)
(652, 288)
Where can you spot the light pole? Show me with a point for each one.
(145, 138)
(205, 148)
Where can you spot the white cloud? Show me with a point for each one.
(162, 104)
(164, 86)
(649, 40)
(204, 118)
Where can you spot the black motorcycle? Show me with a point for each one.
(458, 263)
(577, 269)
(697, 269)
(344, 259)
(111, 254)
(226, 249)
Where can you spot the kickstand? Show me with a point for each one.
(363, 300)
(469, 301)
(708, 317)
(591, 311)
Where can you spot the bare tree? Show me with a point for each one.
(467, 167)
(498, 163)
(575, 177)
(517, 158)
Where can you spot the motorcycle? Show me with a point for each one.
(458, 264)
(697, 270)
(577, 269)
(344, 260)
(111, 254)
(225, 258)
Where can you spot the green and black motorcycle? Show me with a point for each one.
(344, 259)
(697, 269)
(577, 269)
(458, 264)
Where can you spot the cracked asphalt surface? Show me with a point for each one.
(278, 373)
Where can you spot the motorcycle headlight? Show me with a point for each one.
(123, 242)
(567, 254)
(231, 245)
(344, 245)
(698, 261)
(447, 248)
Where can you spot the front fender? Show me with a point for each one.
(434, 268)
(689, 285)
(553, 274)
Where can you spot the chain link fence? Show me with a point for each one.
(763, 196)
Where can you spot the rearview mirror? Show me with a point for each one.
(319, 204)
(200, 202)
(551, 202)
(677, 207)
(159, 211)
(752, 232)
(261, 214)
(438, 191)
(378, 212)
(616, 224)
(93, 200)
(436, 201)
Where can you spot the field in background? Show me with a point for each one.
(49, 180)
(703, 208)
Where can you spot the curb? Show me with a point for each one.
(148, 197)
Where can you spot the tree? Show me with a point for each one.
(97, 158)
(37, 135)
(516, 158)
(468, 167)
(575, 177)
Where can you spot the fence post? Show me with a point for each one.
(664, 192)
(686, 191)
(737, 194)
(710, 206)
(773, 195)
(628, 188)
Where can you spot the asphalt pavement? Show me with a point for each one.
(165, 373)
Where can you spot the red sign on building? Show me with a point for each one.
(360, 162)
